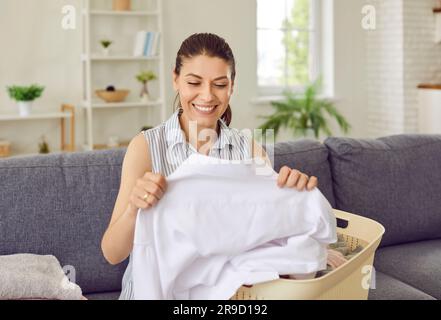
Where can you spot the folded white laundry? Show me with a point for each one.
(222, 224)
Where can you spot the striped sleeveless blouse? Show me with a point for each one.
(169, 148)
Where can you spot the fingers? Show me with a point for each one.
(158, 179)
(303, 180)
(150, 188)
(152, 185)
(283, 176)
(136, 198)
(312, 183)
(294, 176)
(144, 202)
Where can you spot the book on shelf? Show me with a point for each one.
(146, 43)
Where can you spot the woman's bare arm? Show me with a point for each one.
(117, 242)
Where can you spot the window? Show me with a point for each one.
(288, 44)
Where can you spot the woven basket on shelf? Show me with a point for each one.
(112, 96)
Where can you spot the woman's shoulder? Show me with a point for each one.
(138, 146)
(140, 142)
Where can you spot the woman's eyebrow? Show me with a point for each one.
(199, 77)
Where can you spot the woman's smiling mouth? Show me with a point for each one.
(204, 109)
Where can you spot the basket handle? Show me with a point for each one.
(342, 223)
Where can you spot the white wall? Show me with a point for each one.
(41, 51)
(422, 56)
(350, 66)
(36, 49)
(402, 54)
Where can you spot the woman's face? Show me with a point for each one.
(205, 88)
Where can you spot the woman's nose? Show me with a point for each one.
(206, 93)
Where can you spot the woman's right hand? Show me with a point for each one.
(148, 190)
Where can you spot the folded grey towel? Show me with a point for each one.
(30, 276)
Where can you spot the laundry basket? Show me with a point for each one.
(350, 281)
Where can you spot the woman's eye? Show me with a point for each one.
(197, 83)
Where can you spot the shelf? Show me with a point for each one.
(98, 105)
(13, 117)
(120, 58)
(96, 64)
(123, 144)
(33, 154)
(105, 147)
(123, 13)
(434, 86)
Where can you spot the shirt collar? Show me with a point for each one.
(175, 135)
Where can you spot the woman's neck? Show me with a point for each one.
(192, 131)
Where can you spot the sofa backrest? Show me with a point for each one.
(61, 204)
(394, 180)
(308, 156)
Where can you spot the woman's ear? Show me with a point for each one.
(175, 81)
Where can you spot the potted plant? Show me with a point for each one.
(24, 97)
(144, 77)
(106, 46)
(304, 114)
(43, 146)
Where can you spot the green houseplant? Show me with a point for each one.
(144, 77)
(106, 46)
(303, 114)
(24, 96)
(43, 146)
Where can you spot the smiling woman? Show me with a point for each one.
(203, 78)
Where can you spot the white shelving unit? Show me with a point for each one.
(34, 116)
(98, 19)
(42, 116)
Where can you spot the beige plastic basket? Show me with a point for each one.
(350, 281)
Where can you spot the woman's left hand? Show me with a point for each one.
(293, 178)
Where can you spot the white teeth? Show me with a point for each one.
(204, 108)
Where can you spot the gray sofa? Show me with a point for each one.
(61, 204)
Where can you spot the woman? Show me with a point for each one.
(204, 80)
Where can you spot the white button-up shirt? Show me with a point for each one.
(222, 224)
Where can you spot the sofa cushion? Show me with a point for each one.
(417, 264)
(60, 204)
(114, 295)
(29, 276)
(394, 180)
(308, 156)
(389, 288)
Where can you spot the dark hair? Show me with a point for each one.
(210, 45)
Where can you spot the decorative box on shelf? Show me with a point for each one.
(5, 148)
(121, 5)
